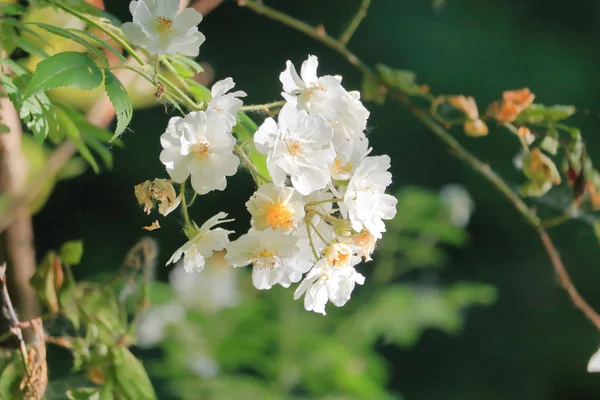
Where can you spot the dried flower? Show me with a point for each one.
(158, 190)
(474, 127)
(513, 102)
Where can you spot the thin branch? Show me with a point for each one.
(457, 149)
(354, 24)
(14, 320)
(263, 107)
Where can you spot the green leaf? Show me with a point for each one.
(372, 89)
(84, 394)
(538, 114)
(11, 9)
(67, 69)
(120, 100)
(47, 281)
(71, 130)
(131, 379)
(194, 66)
(244, 131)
(96, 53)
(10, 377)
(4, 128)
(7, 31)
(71, 252)
(400, 79)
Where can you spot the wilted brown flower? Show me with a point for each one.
(542, 168)
(513, 102)
(158, 190)
(155, 225)
(474, 127)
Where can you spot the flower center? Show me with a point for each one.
(279, 216)
(293, 147)
(201, 148)
(164, 24)
(338, 255)
(263, 258)
(340, 168)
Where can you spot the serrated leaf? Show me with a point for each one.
(372, 89)
(120, 100)
(403, 80)
(538, 113)
(131, 379)
(71, 252)
(67, 69)
(94, 51)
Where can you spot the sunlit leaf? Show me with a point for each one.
(66, 69)
(538, 113)
(120, 100)
(71, 252)
(131, 379)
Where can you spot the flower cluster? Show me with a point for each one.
(319, 212)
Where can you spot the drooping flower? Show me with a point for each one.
(203, 244)
(200, 145)
(327, 97)
(332, 279)
(275, 207)
(268, 252)
(365, 202)
(226, 103)
(216, 288)
(299, 145)
(158, 27)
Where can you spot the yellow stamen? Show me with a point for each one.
(164, 23)
(201, 148)
(263, 259)
(293, 147)
(279, 216)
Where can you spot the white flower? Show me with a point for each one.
(325, 96)
(268, 252)
(152, 325)
(594, 363)
(159, 29)
(227, 103)
(349, 158)
(362, 244)
(298, 146)
(459, 204)
(332, 279)
(200, 247)
(200, 145)
(365, 202)
(215, 289)
(276, 208)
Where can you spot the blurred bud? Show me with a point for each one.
(158, 190)
(513, 102)
(594, 363)
(541, 172)
(459, 204)
(526, 134)
(476, 128)
(96, 375)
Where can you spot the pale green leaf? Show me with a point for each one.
(538, 113)
(90, 37)
(400, 79)
(71, 252)
(131, 379)
(67, 69)
(120, 100)
(372, 89)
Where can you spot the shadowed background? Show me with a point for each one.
(532, 344)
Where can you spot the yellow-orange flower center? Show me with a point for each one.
(293, 147)
(340, 168)
(201, 148)
(164, 23)
(279, 216)
(263, 259)
(338, 255)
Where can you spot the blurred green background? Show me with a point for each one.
(532, 344)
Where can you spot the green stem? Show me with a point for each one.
(184, 206)
(258, 177)
(354, 24)
(263, 107)
(310, 238)
(325, 241)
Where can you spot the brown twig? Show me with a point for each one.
(14, 320)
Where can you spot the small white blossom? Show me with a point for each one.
(214, 289)
(365, 202)
(226, 103)
(275, 207)
(459, 204)
(200, 145)
(349, 158)
(327, 97)
(299, 145)
(158, 27)
(268, 252)
(332, 279)
(200, 247)
(594, 363)
(362, 244)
